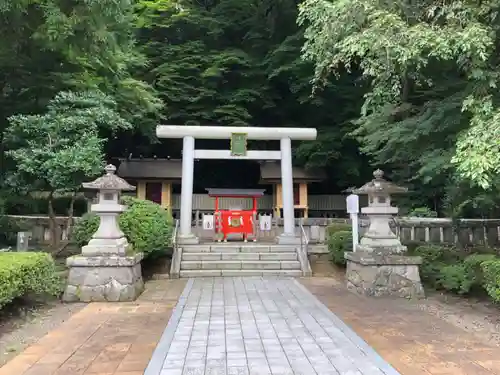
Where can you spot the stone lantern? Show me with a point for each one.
(380, 236)
(379, 266)
(108, 239)
(107, 269)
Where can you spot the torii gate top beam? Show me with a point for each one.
(224, 132)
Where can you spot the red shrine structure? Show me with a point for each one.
(235, 219)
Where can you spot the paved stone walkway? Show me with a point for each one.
(259, 326)
(119, 339)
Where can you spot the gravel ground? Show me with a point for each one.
(472, 315)
(25, 324)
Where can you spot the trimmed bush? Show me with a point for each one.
(338, 244)
(338, 227)
(474, 276)
(27, 273)
(147, 226)
(434, 259)
(491, 272)
(422, 212)
(453, 278)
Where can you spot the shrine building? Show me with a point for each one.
(159, 180)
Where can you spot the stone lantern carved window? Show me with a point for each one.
(108, 196)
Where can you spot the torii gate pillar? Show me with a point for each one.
(189, 153)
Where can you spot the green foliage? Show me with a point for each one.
(338, 227)
(233, 62)
(465, 276)
(453, 278)
(84, 228)
(446, 268)
(338, 243)
(491, 271)
(435, 258)
(147, 226)
(38, 205)
(27, 273)
(59, 150)
(474, 272)
(430, 109)
(59, 46)
(422, 212)
(339, 240)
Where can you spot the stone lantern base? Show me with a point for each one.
(376, 274)
(104, 278)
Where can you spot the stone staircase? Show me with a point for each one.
(237, 259)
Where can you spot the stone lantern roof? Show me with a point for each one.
(380, 185)
(110, 181)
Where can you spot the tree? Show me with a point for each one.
(233, 62)
(432, 70)
(55, 152)
(59, 45)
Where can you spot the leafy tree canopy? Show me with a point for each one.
(432, 70)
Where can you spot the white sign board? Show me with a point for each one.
(208, 222)
(265, 222)
(352, 204)
(315, 233)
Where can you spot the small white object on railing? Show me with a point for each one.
(352, 202)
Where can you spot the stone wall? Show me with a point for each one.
(428, 230)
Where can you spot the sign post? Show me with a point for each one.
(352, 201)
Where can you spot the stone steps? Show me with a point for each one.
(281, 256)
(239, 265)
(230, 248)
(214, 273)
(240, 259)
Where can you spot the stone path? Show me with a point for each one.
(259, 326)
(119, 339)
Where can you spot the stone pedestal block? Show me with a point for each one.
(377, 275)
(104, 278)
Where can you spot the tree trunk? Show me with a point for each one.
(54, 232)
(71, 209)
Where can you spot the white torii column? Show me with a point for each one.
(185, 233)
(288, 236)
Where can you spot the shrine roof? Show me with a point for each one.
(155, 169)
(250, 193)
(272, 171)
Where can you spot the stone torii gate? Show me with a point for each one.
(189, 153)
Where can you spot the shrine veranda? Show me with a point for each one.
(237, 151)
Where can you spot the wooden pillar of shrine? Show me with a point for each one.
(141, 189)
(166, 195)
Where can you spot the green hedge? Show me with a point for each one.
(27, 273)
(147, 226)
(491, 276)
(339, 241)
(447, 268)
